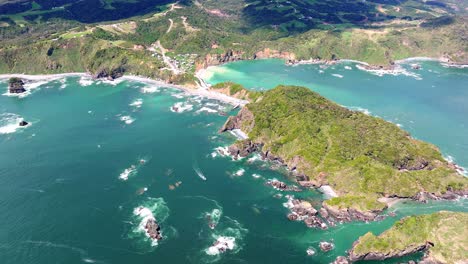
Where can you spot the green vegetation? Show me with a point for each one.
(360, 203)
(326, 30)
(360, 156)
(446, 230)
(237, 91)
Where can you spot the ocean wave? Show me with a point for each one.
(359, 109)
(458, 168)
(132, 170)
(127, 119)
(207, 110)
(337, 75)
(29, 87)
(181, 107)
(85, 81)
(239, 172)
(221, 151)
(137, 103)
(151, 89)
(9, 123)
(398, 70)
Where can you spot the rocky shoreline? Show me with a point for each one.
(330, 215)
(353, 257)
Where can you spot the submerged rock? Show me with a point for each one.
(221, 245)
(310, 251)
(281, 186)
(326, 246)
(340, 260)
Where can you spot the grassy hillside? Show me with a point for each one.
(445, 230)
(196, 33)
(360, 156)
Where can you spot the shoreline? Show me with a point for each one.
(201, 90)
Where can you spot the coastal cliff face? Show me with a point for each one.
(361, 157)
(442, 236)
(231, 55)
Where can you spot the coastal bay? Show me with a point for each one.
(105, 116)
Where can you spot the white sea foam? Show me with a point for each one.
(239, 134)
(9, 123)
(337, 75)
(327, 191)
(132, 170)
(398, 70)
(222, 151)
(127, 119)
(255, 157)
(151, 89)
(459, 169)
(360, 109)
(256, 176)
(85, 81)
(239, 172)
(221, 245)
(137, 103)
(178, 95)
(213, 217)
(459, 66)
(207, 110)
(112, 82)
(181, 107)
(348, 67)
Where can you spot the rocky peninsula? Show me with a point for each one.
(362, 158)
(441, 236)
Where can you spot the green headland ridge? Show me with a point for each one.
(442, 236)
(361, 157)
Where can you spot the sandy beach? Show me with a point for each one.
(201, 90)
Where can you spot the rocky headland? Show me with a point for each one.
(362, 158)
(441, 236)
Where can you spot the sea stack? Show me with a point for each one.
(16, 85)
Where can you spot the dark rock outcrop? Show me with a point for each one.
(382, 256)
(23, 123)
(326, 246)
(340, 260)
(153, 229)
(244, 120)
(110, 74)
(16, 85)
(348, 214)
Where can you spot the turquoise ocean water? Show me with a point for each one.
(65, 196)
(430, 103)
